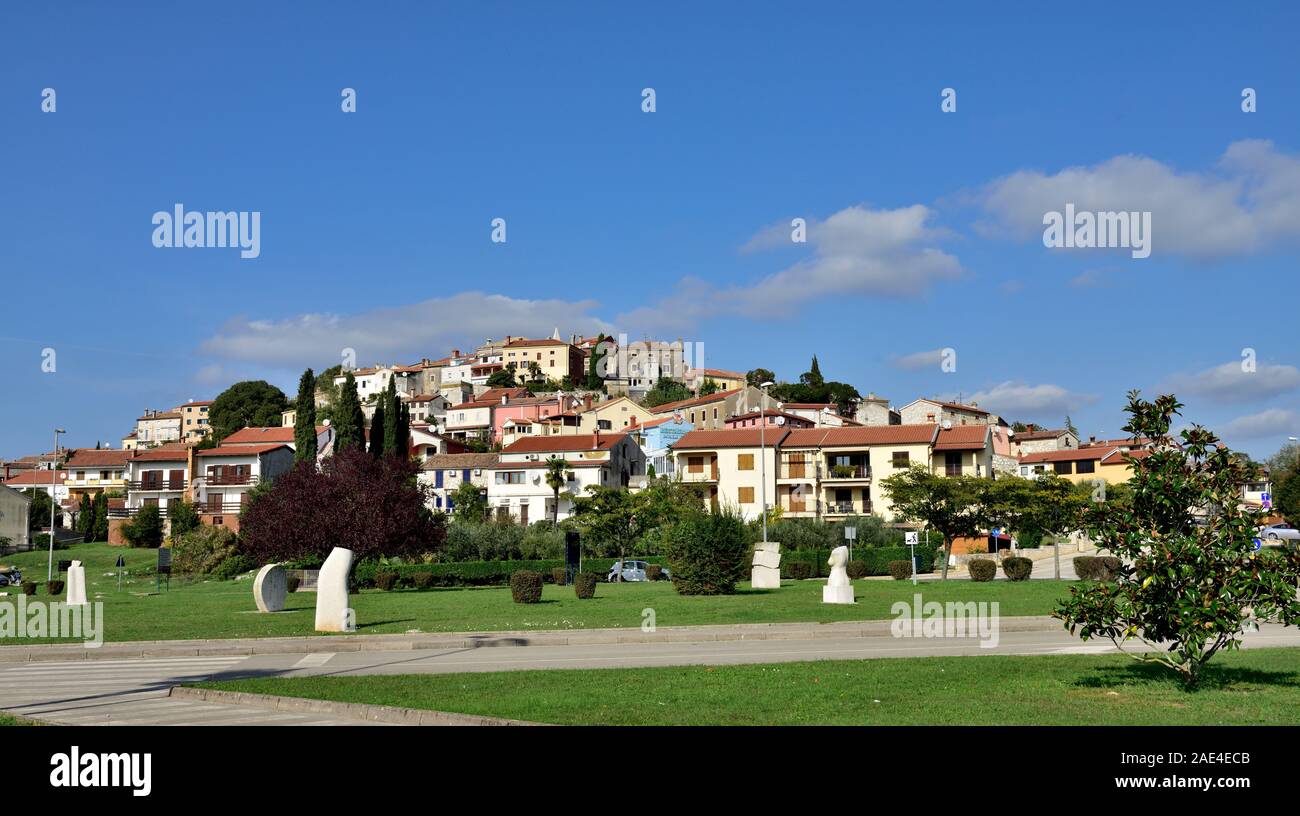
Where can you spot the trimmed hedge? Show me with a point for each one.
(900, 570)
(982, 569)
(856, 569)
(584, 585)
(653, 572)
(876, 560)
(29, 587)
(1017, 569)
(796, 570)
(292, 583)
(559, 576)
(422, 580)
(526, 586)
(54, 587)
(480, 573)
(386, 580)
(1097, 568)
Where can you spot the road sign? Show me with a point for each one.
(1266, 499)
(1258, 544)
(910, 538)
(850, 532)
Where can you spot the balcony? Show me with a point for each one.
(699, 476)
(843, 473)
(797, 470)
(850, 508)
(130, 512)
(214, 508)
(158, 485)
(215, 479)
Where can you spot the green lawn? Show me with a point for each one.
(9, 719)
(1256, 686)
(225, 609)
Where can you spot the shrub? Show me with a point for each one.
(1083, 566)
(856, 569)
(559, 576)
(386, 580)
(29, 587)
(982, 569)
(526, 586)
(1097, 568)
(232, 566)
(1017, 569)
(1108, 568)
(54, 587)
(901, 570)
(201, 551)
(292, 582)
(707, 552)
(422, 580)
(145, 529)
(796, 570)
(584, 585)
(653, 572)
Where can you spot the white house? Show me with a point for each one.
(158, 477)
(225, 475)
(444, 473)
(283, 436)
(518, 488)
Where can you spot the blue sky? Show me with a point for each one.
(925, 227)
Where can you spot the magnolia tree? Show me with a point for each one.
(374, 507)
(1192, 580)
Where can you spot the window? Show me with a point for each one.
(1024, 470)
(695, 464)
(745, 495)
(952, 463)
(510, 477)
(1062, 468)
(745, 461)
(902, 459)
(1085, 466)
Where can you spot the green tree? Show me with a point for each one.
(710, 386)
(1286, 498)
(304, 423)
(1190, 581)
(595, 365)
(403, 429)
(1069, 425)
(184, 518)
(100, 531)
(707, 552)
(556, 469)
(608, 519)
(665, 391)
(505, 378)
(392, 417)
(86, 516)
(378, 429)
(145, 529)
(38, 513)
(351, 425)
(949, 505)
(248, 404)
(469, 505)
(758, 376)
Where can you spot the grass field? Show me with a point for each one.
(225, 609)
(9, 719)
(1256, 686)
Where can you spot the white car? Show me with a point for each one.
(632, 571)
(1279, 532)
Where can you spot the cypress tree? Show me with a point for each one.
(100, 531)
(351, 420)
(304, 423)
(86, 516)
(391, 412)
(403, 430)
(378, 429)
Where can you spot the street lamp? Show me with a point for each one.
(49, 574)
(762, 455)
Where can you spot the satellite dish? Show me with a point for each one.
(780, 420)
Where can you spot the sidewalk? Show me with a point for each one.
(473, 640)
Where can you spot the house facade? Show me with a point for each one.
(554, 359)
(518, 490)
(444, 474)
(91, 472)
(225, 475)
(712, 412)
(923, 411)
(15, 519)
(158, 428)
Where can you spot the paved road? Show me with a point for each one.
(133, 691)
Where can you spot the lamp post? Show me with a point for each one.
(762, 455)
(49, 573)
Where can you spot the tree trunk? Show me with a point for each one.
(947, 554)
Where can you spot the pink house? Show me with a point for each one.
(531, 408)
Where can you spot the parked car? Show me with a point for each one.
(633, 571)
(10, 576)
(1273, 533)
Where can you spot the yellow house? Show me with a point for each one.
(725, 380)
(1082, 465)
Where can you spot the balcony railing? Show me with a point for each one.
(848, 472)
(800, 470)
(229, 479)
(130, 512)
(848, 508)
(219, 508)
(157, 484)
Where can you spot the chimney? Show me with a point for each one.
(595, 438)
(586, 402)
(1092, 440)
(503, 399)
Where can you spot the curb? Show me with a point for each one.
(474, 640)
(352, 711)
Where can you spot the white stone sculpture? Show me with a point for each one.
(766, 572)
(76, 585)
(838, 589)
(270, 588)
(332, 613)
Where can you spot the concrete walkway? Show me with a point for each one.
(134, 689)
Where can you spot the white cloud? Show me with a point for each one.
(1248, 203)
(856, 251)
(1272, 422)
(1229, 383)
(431, 327)
(1016, 399)
(918, 360)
